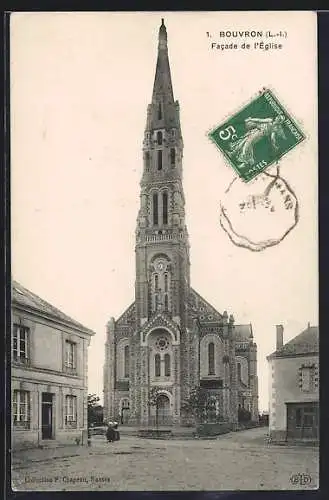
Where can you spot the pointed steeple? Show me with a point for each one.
(162, 88)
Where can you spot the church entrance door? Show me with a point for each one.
(163, 410)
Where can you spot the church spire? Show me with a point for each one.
(162, 89)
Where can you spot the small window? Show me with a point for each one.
(172, 157)
(21, 409)
(125, 404)
(167, 365)
(165, 208)
(70, 355)
(155, 209)
(239, 371)
(211, 358)
(20, 343)
(71, 411)
(157, 365)
(159, 138)
(159, 159)
(147, 160)
(166, 303)
(159, 111)
(307, 376)
(126, 361)
(156, 282)
(166, 282)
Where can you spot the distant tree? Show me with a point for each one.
(153, 401)
(95, 410)
(202, 405)
(243, 415)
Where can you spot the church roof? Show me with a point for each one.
(162, 81)
(243, 333)
(307, 342)
(163, 112)
(24, 298)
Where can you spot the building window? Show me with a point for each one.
(166, 282)
(159, 159)
(126, 361)
(70, 355)
(167, 365)
(156, 282)
(307, 378)
(166, 303)
(159, 138)
(239, 371)
(159, 111)
(20, 343)
(165, 208)
(155, 209)
(147, 160)
(157, 365)
(21, 409)
(125, 404)
(172, 157)
(71, 411)
(211, 358)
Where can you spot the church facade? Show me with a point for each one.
(170, 340)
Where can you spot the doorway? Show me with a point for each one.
(303, 420)
(163, 409)
(47, 415)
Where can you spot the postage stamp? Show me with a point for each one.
(257, 136)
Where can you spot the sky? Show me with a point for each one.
(80, 86)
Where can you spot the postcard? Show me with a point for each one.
(164, 181)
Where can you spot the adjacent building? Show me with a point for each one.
(170, 339)
(49, 364)
(294, 387)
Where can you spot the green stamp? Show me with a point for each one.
(257, 136)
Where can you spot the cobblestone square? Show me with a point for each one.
(236, 461)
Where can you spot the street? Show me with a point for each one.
(236, 461)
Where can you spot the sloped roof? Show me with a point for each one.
(243, 333)
(23, 297)
(200, 306)
(307, 342)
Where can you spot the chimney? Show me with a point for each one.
(279, 337)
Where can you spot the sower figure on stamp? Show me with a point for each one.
(257, 128)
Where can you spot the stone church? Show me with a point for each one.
(170, 339)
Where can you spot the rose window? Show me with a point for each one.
(162, 343)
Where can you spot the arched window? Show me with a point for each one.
(159, 159)
(157, 363)
(167, 365)
(156, 282)
(126, 361)
(125, 404)
(166, 302)
(165, 208)
(239, 370)
(159, 111)
(155, 209)
(159, 138)
(147, 160)
(166, 282)
(211, 358)
(172, 157)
